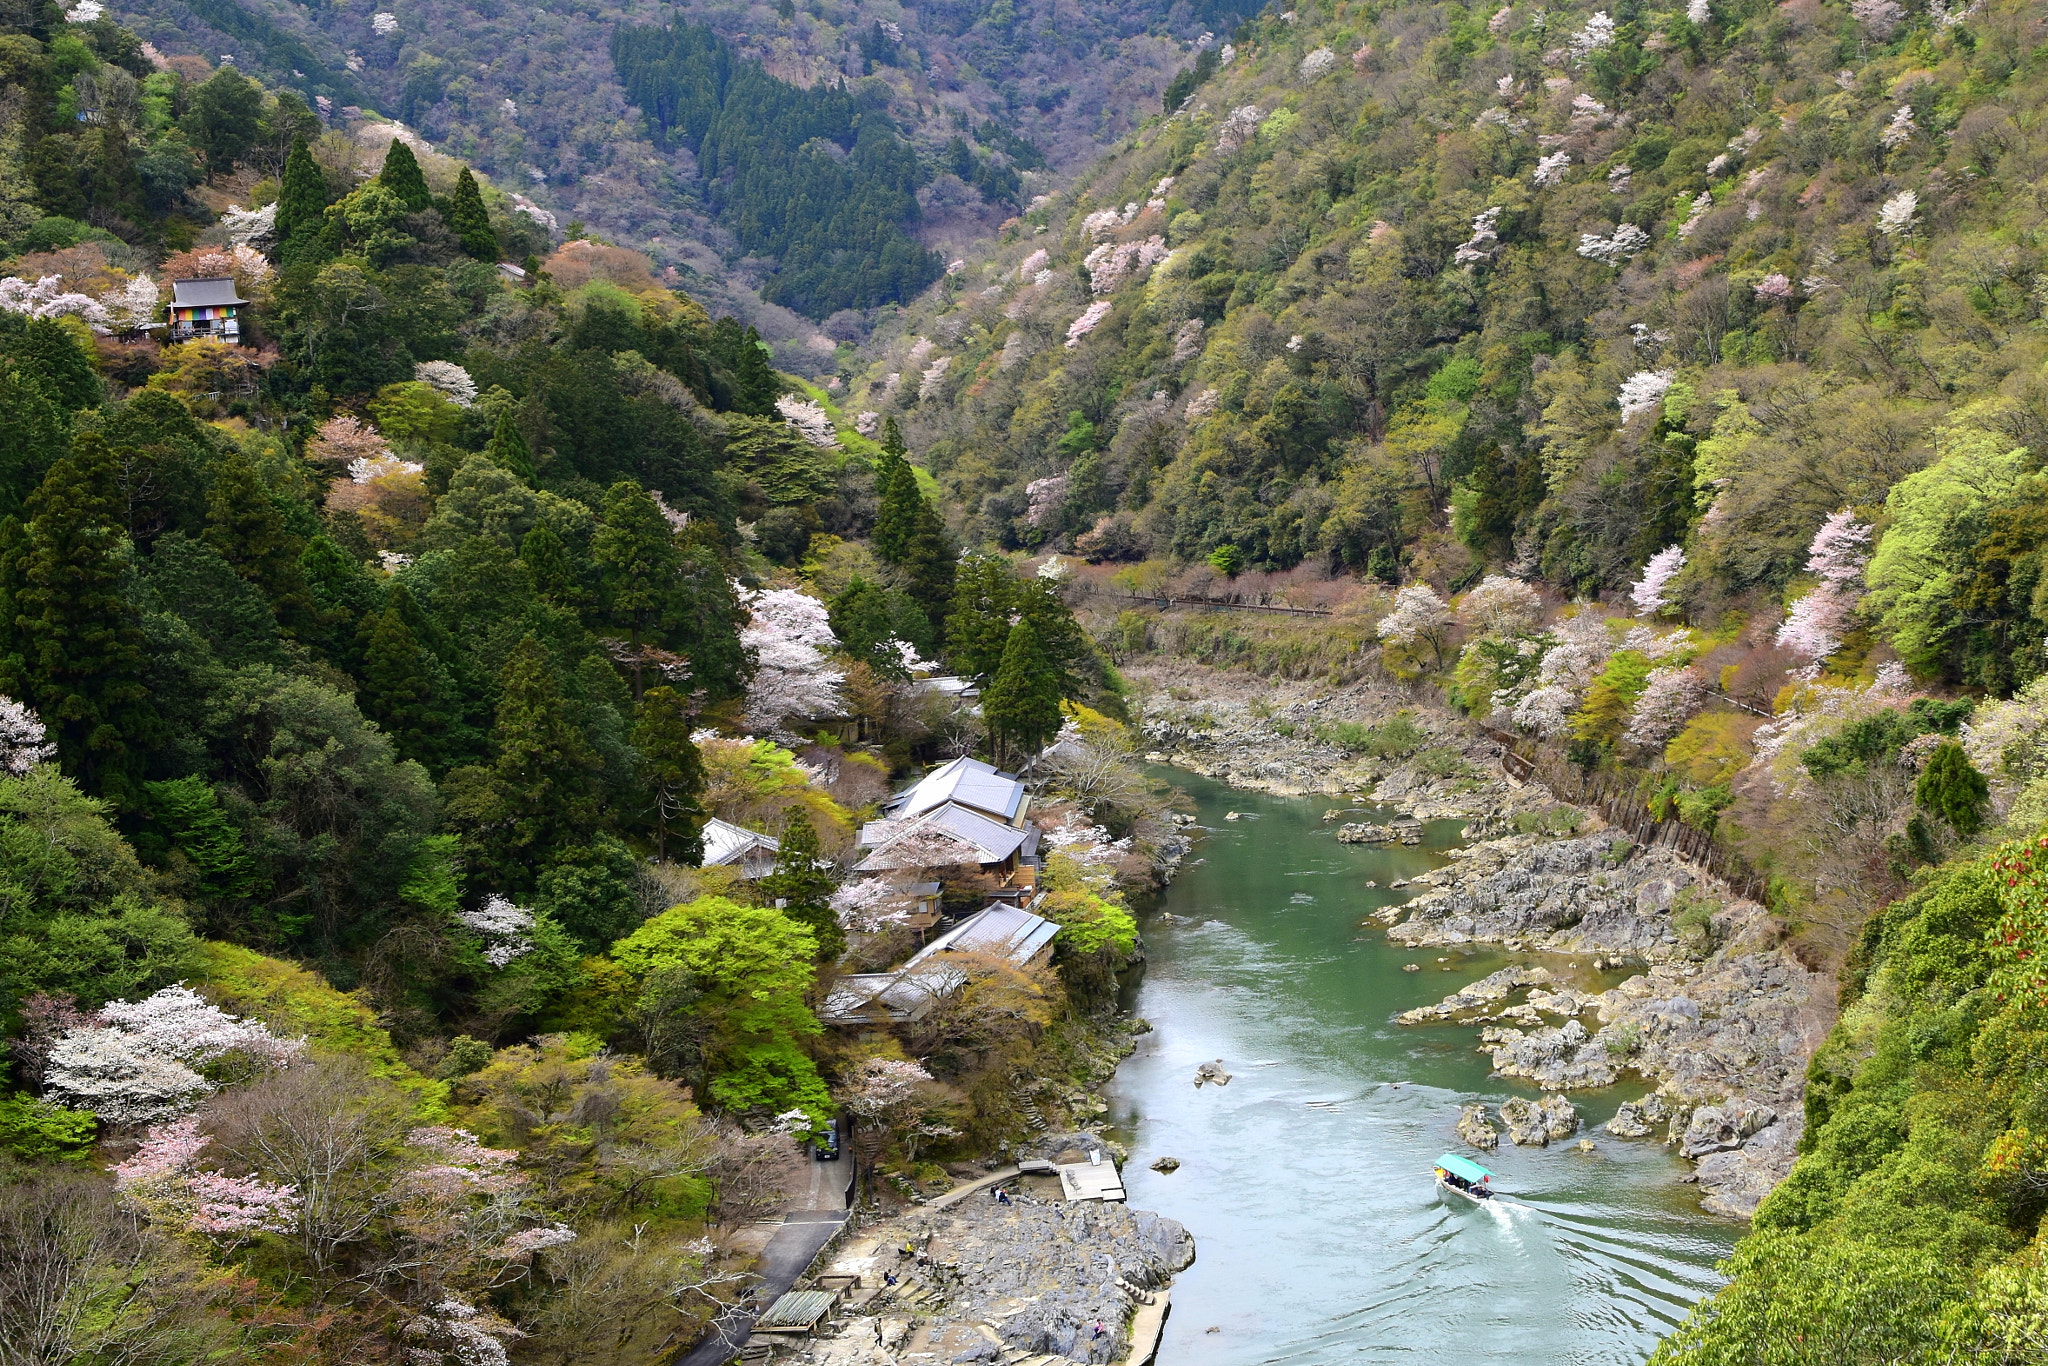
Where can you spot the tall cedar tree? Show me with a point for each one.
(509, 448)
(32, 436)
(76, 650)
(636, 551)
(244, 526)
(540, 797)
(895, 506)
(984, 596)
(405, 690)
(1022, 705)
(673, 770)
(547, 559)
(302, 196)
(931, 564)
(469, 221)
(803, 888)
(403, 177)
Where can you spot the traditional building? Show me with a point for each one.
(934, 972)
(734, 846)
(205, 308)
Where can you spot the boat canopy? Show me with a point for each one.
(1459, 1166)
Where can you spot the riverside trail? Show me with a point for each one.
(1306, 1180)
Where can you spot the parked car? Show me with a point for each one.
(825, 1147)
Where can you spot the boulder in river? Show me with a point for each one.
(1212, 1072)
(1367, 834)
(1639, 1118)
(1535, 1124)
(1475, 1126)
(1722, 1128)
(1166, 1166)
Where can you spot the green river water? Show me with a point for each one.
(1306, 1181)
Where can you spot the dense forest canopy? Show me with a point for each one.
(816, 179)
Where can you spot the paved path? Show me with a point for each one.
(790, 1252)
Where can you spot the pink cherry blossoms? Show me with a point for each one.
(1110, 265)
(789, 634)
(159, 1180)
(1086, 323)
(1647, 593)
(1815, 625)
(1670, 698)
(1500, 606)
(23, 741)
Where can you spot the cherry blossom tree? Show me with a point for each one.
(1500, 605)
(137, 1062)
(1647, 593)
(1087, 322)
(160, 1182)
(1670, 698)
(789, 634)
(347, 439)
(23, 741)
(1817, 622)
(1643, 391)
(809, 419)
(506, 929)
(1419, 618)
(47, 298)
(449, 378)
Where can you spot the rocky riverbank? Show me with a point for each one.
(1666, 976)
(1639, 963)
(1037, 1281)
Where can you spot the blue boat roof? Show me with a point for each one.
(1465, 1167)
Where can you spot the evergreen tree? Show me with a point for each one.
(636, 552)
(1022, 705)
(32, 436)
(341, 591)
(245, 527)
(673, 771)
(405, 690)
(703, 621)
(508, 447)
(801, 889)
(540, 794)
(554, 573)
(302, 197)
(1952, 789)
(931, 564)
(75, 648)
(1068, 651)
(896, 498)
(984, 596)
(469, 221)
(862, 620)
(403, 177)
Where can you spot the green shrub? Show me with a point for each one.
(37, 1131)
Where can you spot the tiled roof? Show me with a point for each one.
(725, 842)
(970, 782)
(928, 841)
(204, 293)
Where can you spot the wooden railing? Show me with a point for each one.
(1166, 602)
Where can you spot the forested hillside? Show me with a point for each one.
(372, 674)
(1681, 368)
(994, 99)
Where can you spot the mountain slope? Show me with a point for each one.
(531, 96)
(1455, 287)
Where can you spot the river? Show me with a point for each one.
(1306, 1181)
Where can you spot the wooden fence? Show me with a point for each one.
(1620, 803)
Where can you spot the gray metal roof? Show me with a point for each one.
(204, 293)
(951, 834)
(798, 1310)
(997, 928)
(725, 842)
(970, 782)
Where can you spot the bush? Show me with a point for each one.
(1395, 738)
(37, 1131)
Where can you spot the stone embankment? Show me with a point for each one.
(1039, 1281)
(1672, 979)
(1654, 969)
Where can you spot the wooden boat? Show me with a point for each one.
(1462, 1176)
